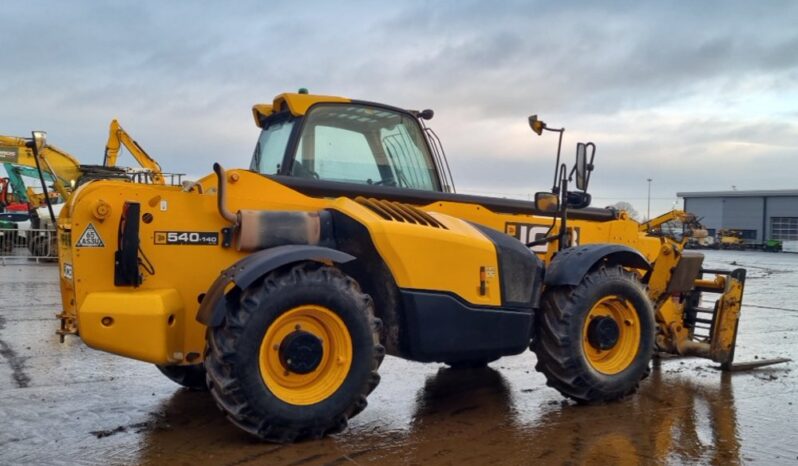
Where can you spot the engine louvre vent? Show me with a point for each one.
(398, 212)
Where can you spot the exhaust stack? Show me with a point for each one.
(254, 230)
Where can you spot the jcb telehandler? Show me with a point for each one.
(281, 287)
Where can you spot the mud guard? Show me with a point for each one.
(244, 272)
(570, 265)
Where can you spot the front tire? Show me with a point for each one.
(296, 355)
(595, 340)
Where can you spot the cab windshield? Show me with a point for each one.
(352, 143)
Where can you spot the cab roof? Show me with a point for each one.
(294, 102)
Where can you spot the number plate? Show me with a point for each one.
(196, 238)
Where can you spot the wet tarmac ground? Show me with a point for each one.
(68, 404)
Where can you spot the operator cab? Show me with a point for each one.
(326, 146)
(348, 142)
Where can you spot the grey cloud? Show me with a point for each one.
(182, 76)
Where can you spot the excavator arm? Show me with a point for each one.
(118, 137)
(657, 222)
(22, 192)
(17, 184)
(691, 226)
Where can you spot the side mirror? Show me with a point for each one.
(584, 164)
(547, 202)
(581, 167)
(39, 141)
(426, 114)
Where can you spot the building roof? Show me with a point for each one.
(755, 193)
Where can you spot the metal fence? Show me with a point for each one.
(28, 244)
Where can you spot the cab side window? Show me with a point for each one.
(338, 155)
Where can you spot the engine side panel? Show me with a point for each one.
(181, 236)
(181, 239)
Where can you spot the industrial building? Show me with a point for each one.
(759, 215)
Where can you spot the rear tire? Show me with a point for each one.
(312, 315)
(191, 377)
(577, 357)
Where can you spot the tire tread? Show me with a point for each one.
(226, 388)
(553, 345)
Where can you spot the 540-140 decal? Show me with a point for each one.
(196, 238)
(528, 232)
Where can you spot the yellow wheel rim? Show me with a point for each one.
(621, 355)
(327, 376)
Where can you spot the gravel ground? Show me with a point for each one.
(68, 404)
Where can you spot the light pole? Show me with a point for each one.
(648, 210)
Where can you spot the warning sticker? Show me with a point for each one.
(90, 238)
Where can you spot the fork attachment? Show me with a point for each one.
(713, 331)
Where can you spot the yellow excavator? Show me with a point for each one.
(69, 172)
(62, 172)
(63, 167)
(281, 287)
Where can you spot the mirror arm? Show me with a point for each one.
(562, 173)
(589, 169)
(563, 207)
(555, 188)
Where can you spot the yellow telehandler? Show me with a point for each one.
(281, 287)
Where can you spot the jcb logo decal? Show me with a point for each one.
(528, 232)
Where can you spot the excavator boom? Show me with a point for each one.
(118, 137)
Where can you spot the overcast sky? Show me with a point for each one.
(696, 95)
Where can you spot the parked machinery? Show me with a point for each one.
(730, 239)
